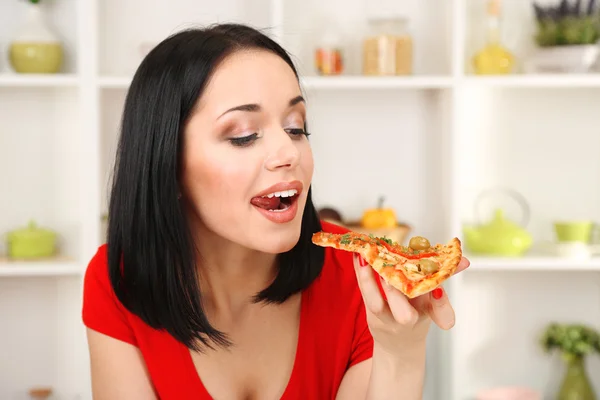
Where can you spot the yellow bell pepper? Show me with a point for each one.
(377, 218)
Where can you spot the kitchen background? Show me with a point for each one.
(467, 118)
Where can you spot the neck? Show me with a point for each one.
(493, 26)
(230, 275)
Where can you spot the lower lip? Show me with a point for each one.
(281, 217)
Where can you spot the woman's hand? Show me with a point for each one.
(399, 324)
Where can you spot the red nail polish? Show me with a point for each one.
(437, 293)
(361, 261)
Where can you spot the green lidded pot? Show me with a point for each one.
(31, 242)
(500, 236)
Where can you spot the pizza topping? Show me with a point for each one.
(412, 267)
(419, 243)
(345, 239)
(387, 257)
(428, 266)
(405, 252)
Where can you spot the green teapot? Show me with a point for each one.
(500, 236)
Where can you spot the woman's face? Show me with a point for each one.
(247, 166)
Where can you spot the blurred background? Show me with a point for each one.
(468, 118)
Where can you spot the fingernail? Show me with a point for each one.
(437, 293)
(361, 261)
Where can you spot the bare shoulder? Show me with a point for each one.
(118, 369)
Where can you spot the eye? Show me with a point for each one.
(297, 132)
(244, 140)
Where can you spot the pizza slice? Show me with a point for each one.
(414, 270)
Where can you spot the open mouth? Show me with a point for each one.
(276, 201)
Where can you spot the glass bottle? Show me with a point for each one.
(493, 58)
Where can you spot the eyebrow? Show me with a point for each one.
(256, 107)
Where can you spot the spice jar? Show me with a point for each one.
(388, 49)
(329, 54)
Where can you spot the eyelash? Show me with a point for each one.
(248, 140)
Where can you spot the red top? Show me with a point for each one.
(333, 332)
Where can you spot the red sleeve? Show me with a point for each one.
(102, 311)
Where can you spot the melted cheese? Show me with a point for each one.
(408, 266)
(411, 270)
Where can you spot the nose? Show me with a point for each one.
(284, 154)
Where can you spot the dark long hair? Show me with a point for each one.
(151, 253)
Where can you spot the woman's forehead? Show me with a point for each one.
(249, 77)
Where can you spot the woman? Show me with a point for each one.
(209, 285)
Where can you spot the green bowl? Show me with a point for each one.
(573, 231)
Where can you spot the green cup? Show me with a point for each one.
(573, 231)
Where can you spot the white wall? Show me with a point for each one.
(429, 143)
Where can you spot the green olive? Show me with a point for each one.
(428, 266)
(419, 243)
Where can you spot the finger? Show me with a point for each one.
(404, 313)
(369, 289)
(462, 265)
(421, 303)
(440, 309)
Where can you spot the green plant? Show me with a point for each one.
(573, 341)
(567, 23)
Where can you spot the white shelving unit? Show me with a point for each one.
(429, 142)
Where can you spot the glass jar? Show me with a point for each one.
(388, 48)
(329, 58)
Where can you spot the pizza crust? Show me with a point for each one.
(398, 271)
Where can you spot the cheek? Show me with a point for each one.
(306, 161)
(222, 175)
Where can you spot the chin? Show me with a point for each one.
(273, 236)
(280, 240)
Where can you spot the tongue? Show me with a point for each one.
(266, 203)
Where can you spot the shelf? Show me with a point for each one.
(332, 82)
(384, 82)
(418, 81)
(536, 81)
(38, 80)
(56, 267)
(429, 143)
(532, 263)
(114, 82)
(42, 330)
(40, 152)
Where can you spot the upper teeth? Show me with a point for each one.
(284, 193)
